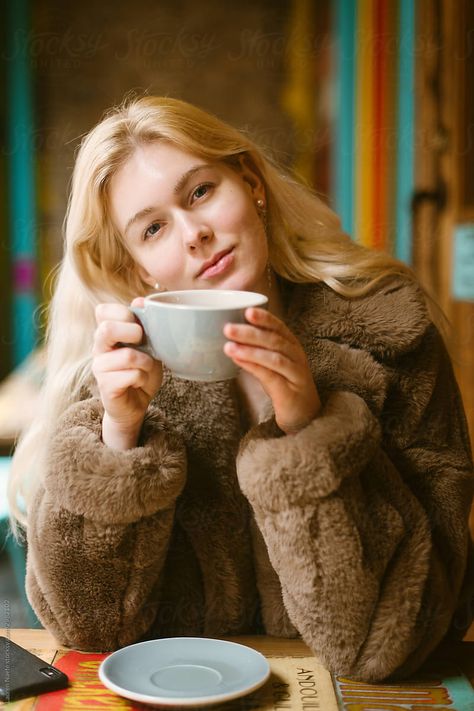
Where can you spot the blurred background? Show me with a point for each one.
(371, 102)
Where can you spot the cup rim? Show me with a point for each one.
(258, 300)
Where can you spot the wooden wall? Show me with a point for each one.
(444, 163)
(227, 58)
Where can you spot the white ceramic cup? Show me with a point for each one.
(184, 330)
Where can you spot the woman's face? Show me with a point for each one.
(190, 223)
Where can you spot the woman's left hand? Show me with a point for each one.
(266, 348)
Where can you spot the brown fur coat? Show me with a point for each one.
(352, 532)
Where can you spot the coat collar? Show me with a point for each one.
(388, 322)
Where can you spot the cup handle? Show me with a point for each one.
(144, 347)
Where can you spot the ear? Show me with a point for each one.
(251, 176)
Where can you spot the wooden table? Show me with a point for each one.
(298, 682)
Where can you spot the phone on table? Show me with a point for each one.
(23, 674)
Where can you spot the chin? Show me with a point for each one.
(239, 283)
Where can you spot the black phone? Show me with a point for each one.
(23, 674)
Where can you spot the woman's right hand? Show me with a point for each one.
(127, 378)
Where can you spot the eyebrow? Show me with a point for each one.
(176, 190)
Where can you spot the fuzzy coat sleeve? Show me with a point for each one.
(364, 515)
(99, 529)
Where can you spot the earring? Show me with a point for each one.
(262, 212)
(156, 286)
(269, 276)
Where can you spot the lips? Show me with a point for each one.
(213, 260)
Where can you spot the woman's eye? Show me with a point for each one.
(152, 230)
(201, 190)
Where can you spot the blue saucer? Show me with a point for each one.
(184, 671)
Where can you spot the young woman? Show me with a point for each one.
(324, 493)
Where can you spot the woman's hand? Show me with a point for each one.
(127, 378)
(266, 348)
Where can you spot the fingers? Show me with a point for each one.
(252, 336)
(117, 370)
(110, 333)
(114, 312)
(264, 326)
(126, 377)
(271, 360)
(115, 324)
(266, 377)
(116, 383)
(122, 359)
(265, 319)
(268, 350)
(269, 342)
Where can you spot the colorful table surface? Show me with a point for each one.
(297, 682)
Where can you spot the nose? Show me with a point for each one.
(195, 233)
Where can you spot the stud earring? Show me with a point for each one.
(156, 286)
(262, 212)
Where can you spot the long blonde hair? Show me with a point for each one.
(306, 244)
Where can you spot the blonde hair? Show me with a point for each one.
(306, 244)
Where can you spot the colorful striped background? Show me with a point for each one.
(372, 160)
(22, 229)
